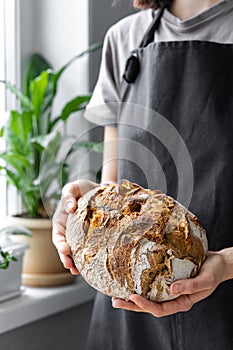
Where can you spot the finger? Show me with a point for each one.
(62, 247)
(166, 308)
(71, 190)
(59, 225)
(74, 270)
(126, 305)
(70, 194)
(58, 233)
(196, 297)
(210, 275)
(146, 305)
(59, 239)
(66, 260)
(68, 263)
(200, 283)
(68, 204)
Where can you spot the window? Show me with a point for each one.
(2, 105)
(9, 63)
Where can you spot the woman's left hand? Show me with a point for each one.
(189, 291)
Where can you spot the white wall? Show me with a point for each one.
(59, 30)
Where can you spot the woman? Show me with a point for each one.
(182, 70)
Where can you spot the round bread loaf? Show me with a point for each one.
(125, 239)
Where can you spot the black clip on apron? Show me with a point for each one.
(190, 84)
(132, 65)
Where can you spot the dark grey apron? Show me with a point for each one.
(188, 88)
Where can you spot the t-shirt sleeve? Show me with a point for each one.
(101, 109)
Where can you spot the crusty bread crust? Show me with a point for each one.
(125, 239)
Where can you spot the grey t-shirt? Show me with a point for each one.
(215, 25)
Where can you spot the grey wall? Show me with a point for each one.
(102, 14)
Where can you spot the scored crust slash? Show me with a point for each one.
(126, 239)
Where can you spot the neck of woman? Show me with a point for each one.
(185, 9)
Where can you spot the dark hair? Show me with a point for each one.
(146, 4)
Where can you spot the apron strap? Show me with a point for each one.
(149, 35)
(132, 64)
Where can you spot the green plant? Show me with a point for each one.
(31, 135)
(5, 259)
(5, 234)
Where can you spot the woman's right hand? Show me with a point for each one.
(68, 203)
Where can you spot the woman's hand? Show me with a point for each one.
(68, 203)
(215, 270)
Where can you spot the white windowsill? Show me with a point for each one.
(37, 303)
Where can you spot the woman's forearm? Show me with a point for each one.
(227, 255)
(109, 168)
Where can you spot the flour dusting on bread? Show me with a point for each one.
(125, 239)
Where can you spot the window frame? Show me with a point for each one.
(10, 71)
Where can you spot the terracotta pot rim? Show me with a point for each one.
(30, 223)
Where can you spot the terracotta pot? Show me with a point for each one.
(42, 266)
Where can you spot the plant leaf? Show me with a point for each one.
(17, 133)
(48, 143)
(76, 104)
(16, 161)
(35, 66)
(50, 93)
(2, 131)
(31, 200)
(12, 178)
(92, 48)
(38, 88)
(50, 173)
(57, 75)
(89, 145)
(5, 260)
(21, 125)
(15, 230)
(23, 99)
